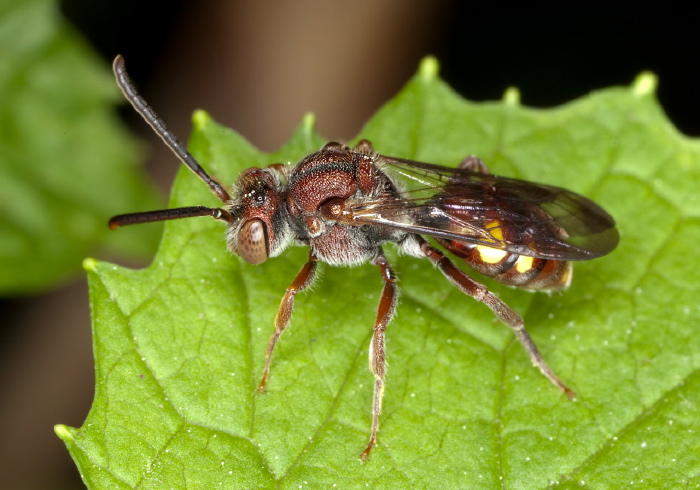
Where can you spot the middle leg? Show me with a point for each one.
(377, 355)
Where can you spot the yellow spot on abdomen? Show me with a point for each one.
(490, 255)
(494, 227)
(566, 274)
(524, 264)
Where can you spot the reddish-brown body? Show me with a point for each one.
(346, 203)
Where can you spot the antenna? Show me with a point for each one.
(169, 214)
(162, 130)
(179, 149)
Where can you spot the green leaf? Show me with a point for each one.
(66, 162)
(180, 345)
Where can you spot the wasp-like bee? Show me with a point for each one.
(346, 203)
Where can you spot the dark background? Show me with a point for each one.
(258, 67)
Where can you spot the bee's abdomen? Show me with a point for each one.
(512, 269)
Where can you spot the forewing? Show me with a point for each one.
(522, 217)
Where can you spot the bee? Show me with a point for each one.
(346, 203)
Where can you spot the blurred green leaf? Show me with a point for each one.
(180, 346)
(66, 163)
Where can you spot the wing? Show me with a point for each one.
(522, 217)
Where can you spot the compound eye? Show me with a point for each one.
(253, 246)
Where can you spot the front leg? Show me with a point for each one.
(377, 355)
(479, 292)
(301, 282)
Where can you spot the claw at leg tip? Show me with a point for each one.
(365, 454)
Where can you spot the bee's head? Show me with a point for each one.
(258, 230)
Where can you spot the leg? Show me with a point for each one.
(364, 146)
(301, 282)
(479, 292)
(377, 356)
(474, 164)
